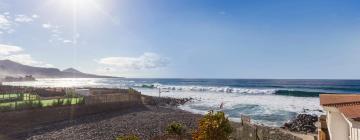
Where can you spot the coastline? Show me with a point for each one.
(146, 121)
(141, 115)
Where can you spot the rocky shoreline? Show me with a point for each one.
(165, 101)
(303, 123)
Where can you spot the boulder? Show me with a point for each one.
(304, 123)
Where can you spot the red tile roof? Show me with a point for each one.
(336, 99)
(348, 104)
(352, 111)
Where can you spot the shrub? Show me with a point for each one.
(175, 128)
(213, 126)
(56, 102)
(37, 104)
(61, 102)
(128, 137)
(40, 103)
(68, 101)
(80, 101)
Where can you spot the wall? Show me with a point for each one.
(247, 131)
(337, 126)
(354, 129)
(111, 98)
(15, 122)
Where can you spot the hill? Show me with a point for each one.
(11, 68)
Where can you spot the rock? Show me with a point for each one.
(304, 123)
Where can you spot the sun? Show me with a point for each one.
(77, 7)
(83, 6)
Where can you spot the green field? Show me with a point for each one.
(20, 96)
(23, 101)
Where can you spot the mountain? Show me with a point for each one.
(11, 68)
(71, 70)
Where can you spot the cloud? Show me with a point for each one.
(143, 62)
(46, 26)
(17, 54)
(23, 18)
(9, 22)
(35, 16)
(8, 49)
(67, 41)
(57, 34)
(5, 23)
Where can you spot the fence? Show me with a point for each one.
(112, 98)
(20, 98)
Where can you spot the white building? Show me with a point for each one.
(343, 115)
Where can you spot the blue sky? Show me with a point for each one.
(186, 38)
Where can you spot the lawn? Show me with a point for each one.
(11, 96)
(15, 101)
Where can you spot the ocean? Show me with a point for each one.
(271, 102)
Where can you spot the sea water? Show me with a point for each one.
(270, 102)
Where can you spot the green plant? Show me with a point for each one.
(40, 103)
(61, 102)
(175, 128)
(68, 101)
(213, 126)
(80, 101)
(128, 137)
(57, 102)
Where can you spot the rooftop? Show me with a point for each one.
(352, 111)
(348, 104)
(339, 99)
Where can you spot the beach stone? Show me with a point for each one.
(304, 123)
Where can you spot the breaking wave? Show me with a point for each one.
(284, 92)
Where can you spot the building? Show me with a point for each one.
(342, 115)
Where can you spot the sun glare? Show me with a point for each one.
(84, 6)
(81, 7)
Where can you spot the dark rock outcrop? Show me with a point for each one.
(304, 123)
(164, 101)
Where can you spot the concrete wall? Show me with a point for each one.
(18, 121)
(247, 131)
(337, 125)
(111, 98)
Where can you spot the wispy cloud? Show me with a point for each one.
(5, 24)
(145, 61)
(23, 18)
(56, 34)
(8, 22)
(8, 49)
(46, 26)
(17, 54)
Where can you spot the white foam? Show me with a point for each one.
(223, 89)
(271, 104)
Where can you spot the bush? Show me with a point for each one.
(68, 101)
(213, 126)
(57, 102)
(80, 101)
(175, 129)
(128, 137)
